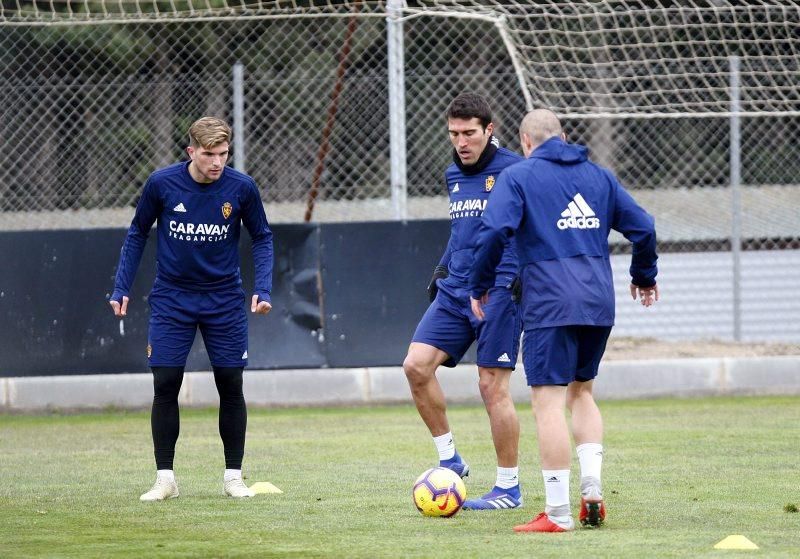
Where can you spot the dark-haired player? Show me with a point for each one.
(448, 327)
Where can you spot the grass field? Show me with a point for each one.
(679, 476)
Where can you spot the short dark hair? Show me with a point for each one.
(470, 105)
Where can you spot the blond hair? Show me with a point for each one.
(209, 132)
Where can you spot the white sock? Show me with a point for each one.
(556, 488)
(507, 477)
(232, 474)
(166, 475)
(445, 446)
(590, 456)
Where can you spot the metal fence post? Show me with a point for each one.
(238, 117)
(397, 108)
(736, 195)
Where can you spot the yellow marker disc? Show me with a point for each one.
(264, 487)
(736, 542)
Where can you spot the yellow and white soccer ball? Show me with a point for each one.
(439, 492)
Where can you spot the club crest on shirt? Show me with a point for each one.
(149, 351)
(226, 210)
(489, 183)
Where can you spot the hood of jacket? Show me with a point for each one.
(559, 151)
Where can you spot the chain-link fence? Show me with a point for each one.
(91, 110)
(97, 96)
(682, 174)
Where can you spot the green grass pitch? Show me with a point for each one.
(679, 476)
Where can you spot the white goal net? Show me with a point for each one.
(99, 93)
(619, 57)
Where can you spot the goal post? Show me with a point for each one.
(634, 58)
(72, 12)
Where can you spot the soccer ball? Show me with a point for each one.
(439, 492)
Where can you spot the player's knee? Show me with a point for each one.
(578, 393)
(416, 371)
(229, 383)
(487, 389)
(572, 395)
(167, 383)
(493, 388)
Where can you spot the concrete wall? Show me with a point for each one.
(382, 385)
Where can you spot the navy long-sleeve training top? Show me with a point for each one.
(198, 232)
(468, 197)
(560, 207)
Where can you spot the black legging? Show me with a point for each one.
(232, 414)
(165, 417)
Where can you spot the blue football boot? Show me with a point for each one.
(496, 499)
(456, 464)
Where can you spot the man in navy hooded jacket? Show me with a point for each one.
(560, 207)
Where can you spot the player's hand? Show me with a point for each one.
(477, 305)
(439, 272)
(260, 307)
(119, 310)
(647, 295)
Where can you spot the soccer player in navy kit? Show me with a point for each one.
(448, 328)
(560, 207)
(200, 206)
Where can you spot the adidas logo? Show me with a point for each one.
(552, 479)
(504, 358)
(244, 355)
(495, 141)
(179, 208)
(578, 215)
(455, 188)
(504, 502)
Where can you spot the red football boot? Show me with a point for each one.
(592, 513)
(542, 523)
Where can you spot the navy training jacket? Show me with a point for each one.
(560, 207)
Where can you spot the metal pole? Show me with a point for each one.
(397, 108)
(736, 195)
(519, 70)
(238, 117)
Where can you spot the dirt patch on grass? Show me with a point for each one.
(620, 348)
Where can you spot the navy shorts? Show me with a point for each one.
(563, 354)
(449, 325)
(176, 315)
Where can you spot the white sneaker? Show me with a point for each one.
(236, 488)
(162, 489)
